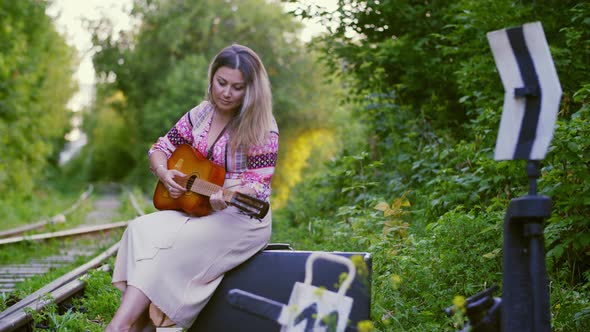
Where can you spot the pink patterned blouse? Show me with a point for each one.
(253, 168)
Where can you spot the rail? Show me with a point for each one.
(60, 217)
(59, 290)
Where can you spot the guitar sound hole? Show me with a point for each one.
(190, 182)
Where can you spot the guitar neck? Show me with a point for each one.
(207, 188)
(251, 205)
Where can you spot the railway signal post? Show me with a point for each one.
(532, 97)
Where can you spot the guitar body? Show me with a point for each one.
(190, 162)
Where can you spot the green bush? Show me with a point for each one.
(431, 106)
(36, 82)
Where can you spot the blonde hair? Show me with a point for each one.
(255, 120)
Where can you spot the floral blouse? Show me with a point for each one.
(254, 168)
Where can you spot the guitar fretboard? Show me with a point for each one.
(207, 188)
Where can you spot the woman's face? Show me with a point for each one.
(228, 89)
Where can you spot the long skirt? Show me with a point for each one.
(178, 261)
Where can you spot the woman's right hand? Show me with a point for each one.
(167, 177)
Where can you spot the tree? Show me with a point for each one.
(36, 67)
(431, 102)
(161, 68)
(418, 50)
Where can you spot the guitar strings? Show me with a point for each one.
(203, 187)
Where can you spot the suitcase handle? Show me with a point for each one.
(334, 258)
(278, 246)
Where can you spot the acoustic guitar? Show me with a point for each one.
(203, 178)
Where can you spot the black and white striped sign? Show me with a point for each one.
(532, 93)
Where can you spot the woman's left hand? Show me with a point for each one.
(217, 202)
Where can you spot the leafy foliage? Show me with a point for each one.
(90, 312)
(100, 300)
(430, 101)
(36, 82)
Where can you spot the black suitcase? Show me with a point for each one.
(271, 274)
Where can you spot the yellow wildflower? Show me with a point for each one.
(459, 302)
(365, 326)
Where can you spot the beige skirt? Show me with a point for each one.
(178, 261)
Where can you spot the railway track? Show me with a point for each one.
(58, 218)
(83, 241)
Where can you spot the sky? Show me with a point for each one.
(69, 16)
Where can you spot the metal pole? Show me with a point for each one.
(534, 233)
(525, 300)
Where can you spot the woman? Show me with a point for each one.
(172, 261)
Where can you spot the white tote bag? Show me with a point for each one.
(315, 309)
